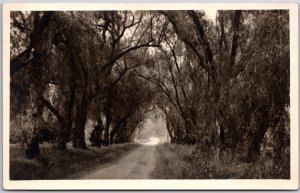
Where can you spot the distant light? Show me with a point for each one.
(211, 14)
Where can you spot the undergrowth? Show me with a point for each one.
(56, 164)
(193, 162)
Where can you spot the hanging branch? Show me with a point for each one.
(201, 33)
(235, 36)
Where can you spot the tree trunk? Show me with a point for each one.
(101, 129)
(106, 128)
(222, 136)
(80, 121)
(62, 139)
(190, 137)
(123, 131)
(254, 148)
(70, 105)
(222, 140)
(215, 147)
(130, 134)
(112, 136)
(36, 78)
(33, 148)
(168, 125)
(114, 131)
(120, 135)
(96, 136)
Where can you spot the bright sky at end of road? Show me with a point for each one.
(211, 14)
(152, 141)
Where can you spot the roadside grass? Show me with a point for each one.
(56, 164)
(192, 162)
(168, 164)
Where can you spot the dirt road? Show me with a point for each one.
(138, 164)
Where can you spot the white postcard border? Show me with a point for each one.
(262, 184)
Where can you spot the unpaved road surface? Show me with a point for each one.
(138, 164)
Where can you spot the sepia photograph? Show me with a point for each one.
(162, 94)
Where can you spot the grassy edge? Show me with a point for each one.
(55, 164)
